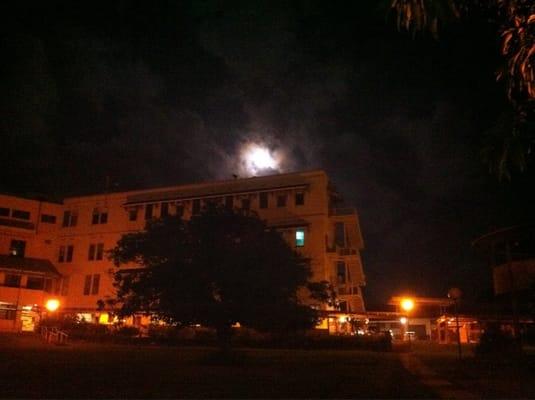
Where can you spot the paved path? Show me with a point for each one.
(444, 388)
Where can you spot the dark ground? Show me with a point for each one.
(31, 369)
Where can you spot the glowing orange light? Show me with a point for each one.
(52, 305)
(403, 320)
(407, 304)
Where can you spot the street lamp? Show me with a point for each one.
(52, 305)
(407, 304)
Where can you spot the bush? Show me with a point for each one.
(494, 341)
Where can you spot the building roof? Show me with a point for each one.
(27, 264)
(221, 188)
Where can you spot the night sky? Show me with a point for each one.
(159, 93)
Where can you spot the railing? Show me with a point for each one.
(54, 335)
(342, 211)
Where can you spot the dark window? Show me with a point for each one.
(20, 214)
(99, 217)
(61, 255)
(48, 285)
(91, 255)
(341, 272)
(48, 219)
(100, 251)
(57, 286)
(229, 201)
(70, 218)
(96, 251)
(12, 280)
(196, 208)
(17, 248)
(164, 212)
(65, 286)
(299, 199)
(148, 211)
(96, 217)
(35, 282)
(281, 200)
(87, 285)
(4, 212)
(132, 214)
(343, 306)
(180, 210)
(339, 234)
(245, 204)
(70, 251)
(8, 311)
(96, 284)
(263, 200)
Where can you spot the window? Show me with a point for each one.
(12, 280)
(164, 212)
(48, 219)
(20, 214)
(65, 253)
(281, 200)
(70, 218)
(339, 234)
(65, 286)
(96, 284)
(148, 211)
(8, 311)
(229, 201)
(180, 210)
(48, 285)
(35, 282)
(299, 199)
(196, 207)
(17, 248)
(99, 217)
(132, 214)
(91, 284)
(87, 285)
(245, 204)
(343, 306)
(300, 237)
(263, 200)
(4, 212)
(96, 251)
(341, 272)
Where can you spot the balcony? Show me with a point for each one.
(341, 251)
(342, 211)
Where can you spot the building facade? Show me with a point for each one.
(59, 250)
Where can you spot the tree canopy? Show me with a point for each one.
(216, 269)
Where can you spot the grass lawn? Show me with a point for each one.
(499, 377)
(32, 369)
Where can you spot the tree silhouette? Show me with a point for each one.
(216, 269)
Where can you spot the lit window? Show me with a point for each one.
(300, 237)
(17, 248)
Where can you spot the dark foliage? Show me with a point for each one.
(216, 269)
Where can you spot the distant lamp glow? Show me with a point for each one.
(52, 305)
(403, 320)
(407, 304)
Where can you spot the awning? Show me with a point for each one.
(27, 264)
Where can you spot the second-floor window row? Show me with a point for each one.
(14, 213)
(99, 217)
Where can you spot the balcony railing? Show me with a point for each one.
(342, 211)
(17, 224)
